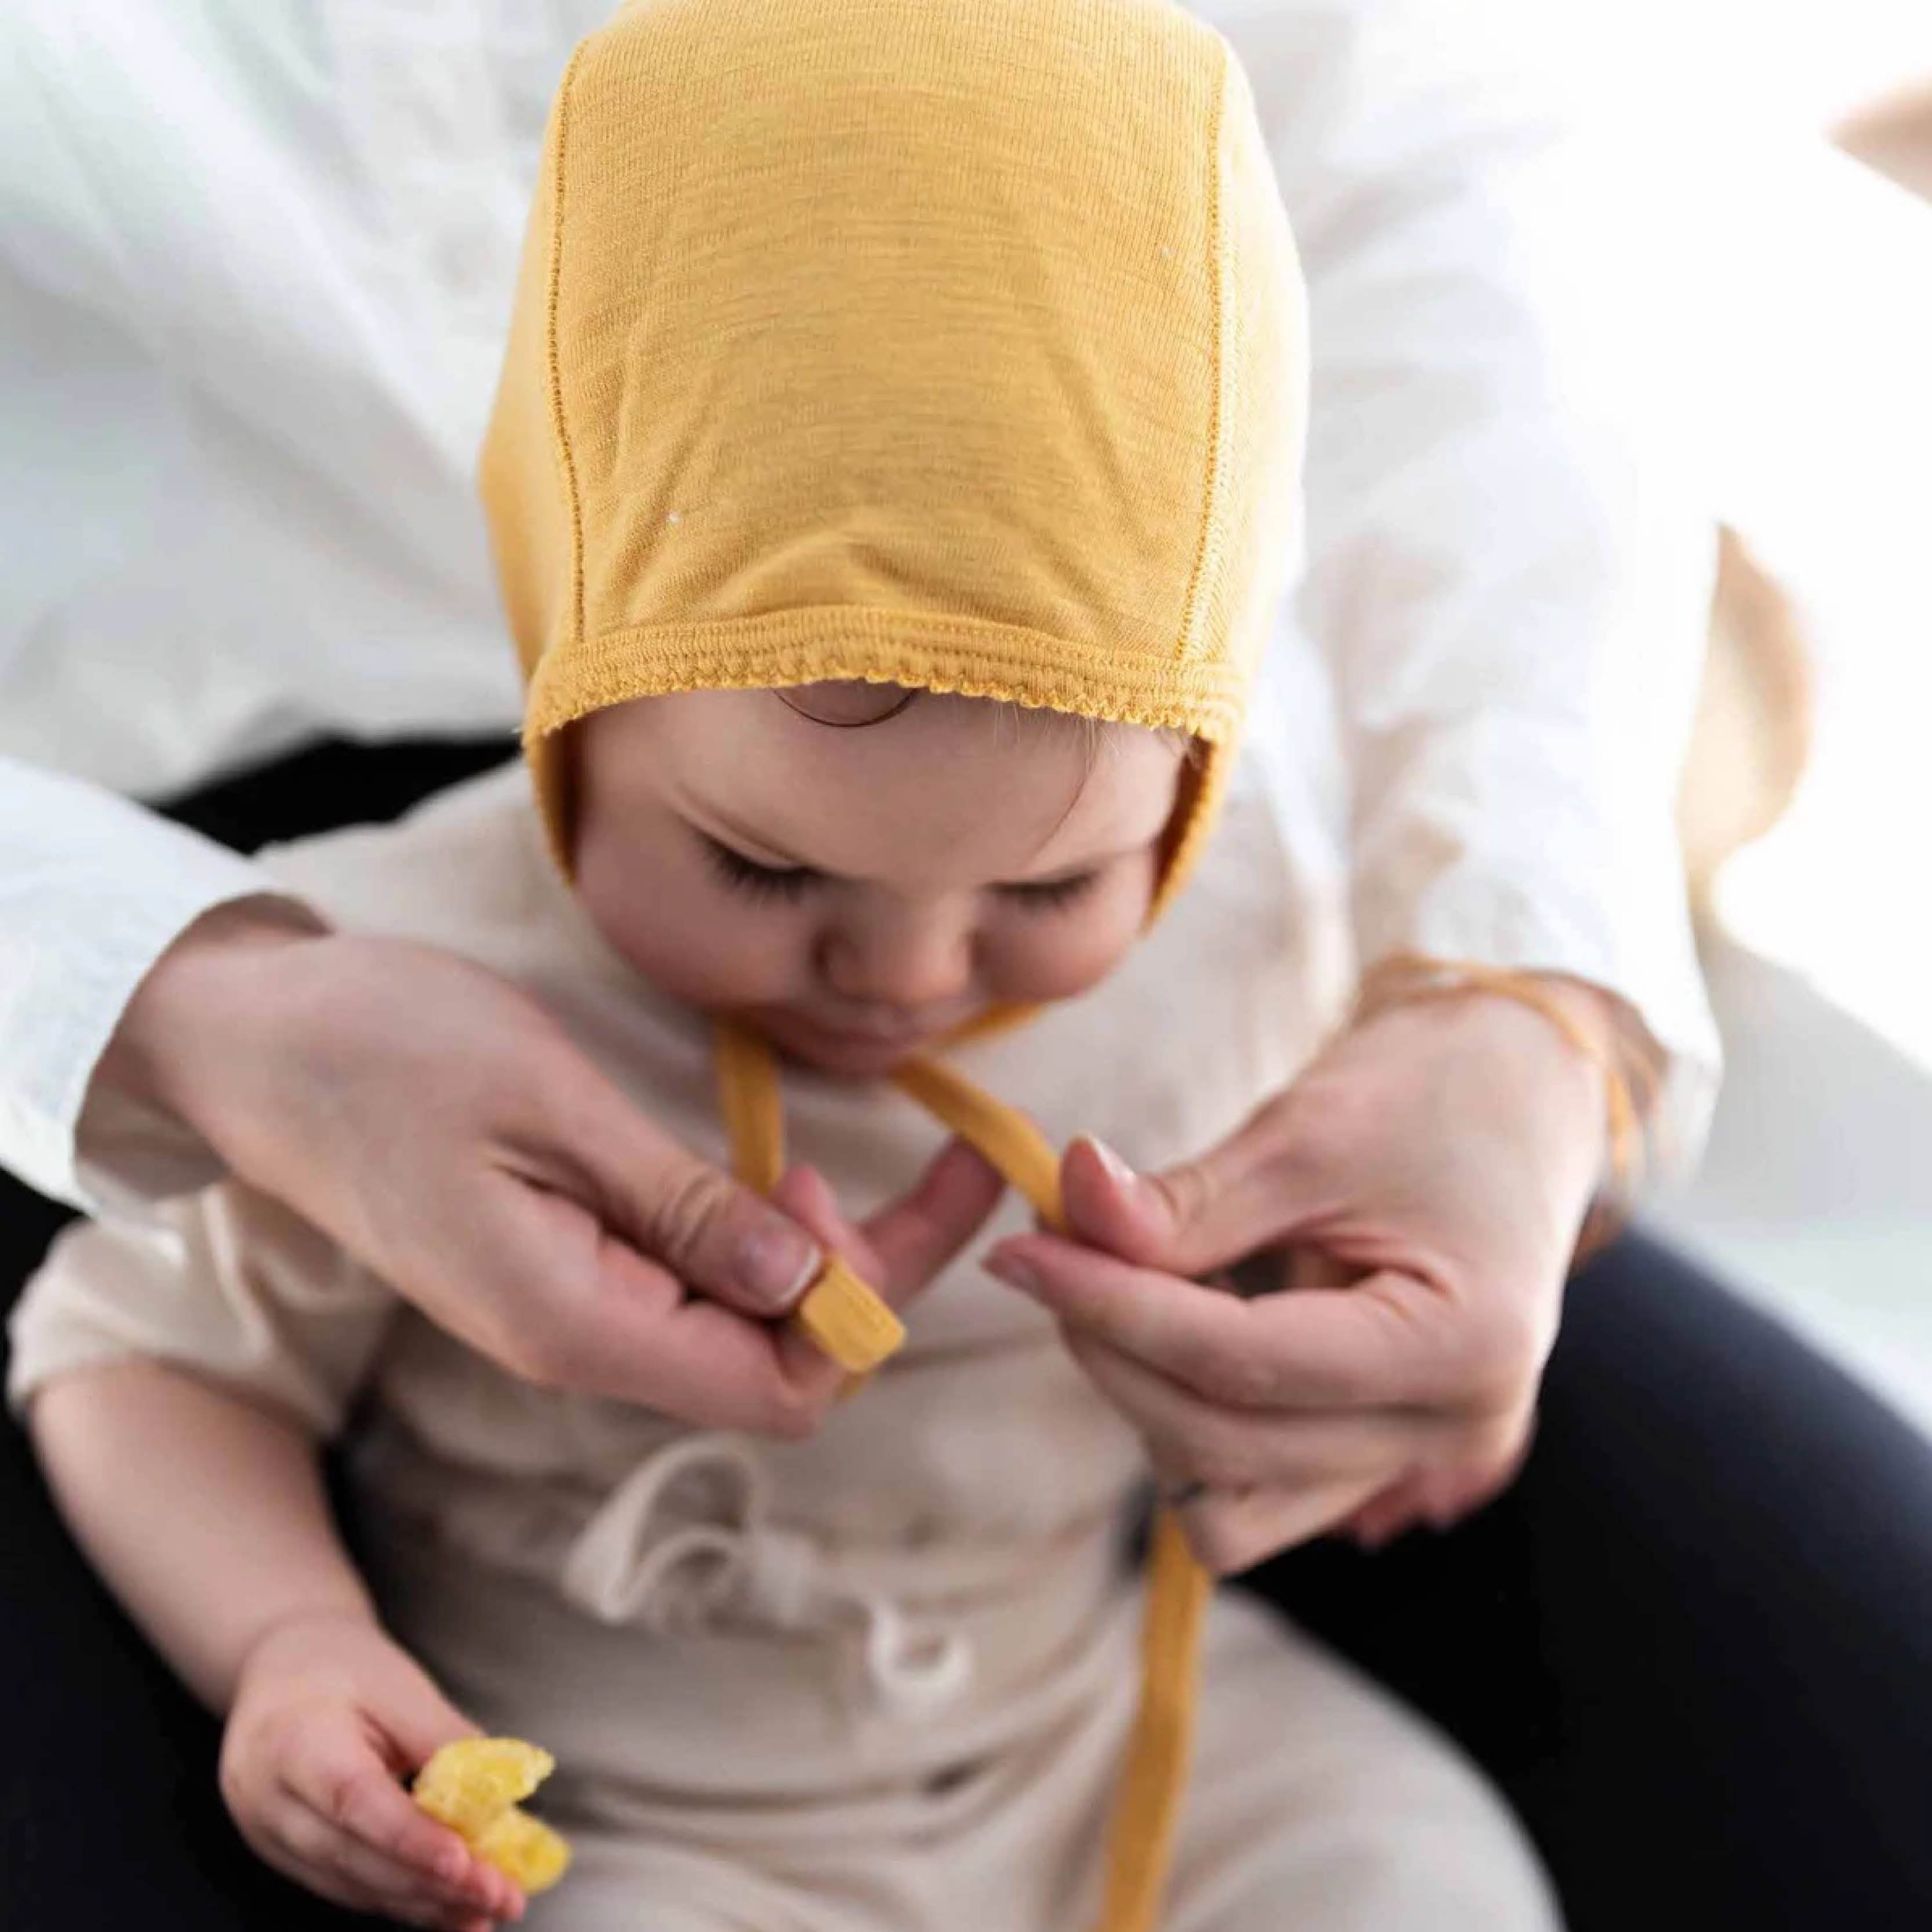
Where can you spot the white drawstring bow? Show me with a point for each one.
(731, 1564)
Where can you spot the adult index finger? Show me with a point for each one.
(917, 1235)
(1375, 1345)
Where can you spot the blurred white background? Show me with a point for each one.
(1807, 277)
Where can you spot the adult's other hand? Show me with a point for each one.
(1420, 1188)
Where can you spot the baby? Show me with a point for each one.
(891, 479)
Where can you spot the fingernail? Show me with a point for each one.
(1014, 1272)
(776, 1262)
(1145, 1195)
(1117, 1169)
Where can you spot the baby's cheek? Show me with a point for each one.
(707, 961)
(1055, 957)
(685, 944)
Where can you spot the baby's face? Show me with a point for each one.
(857, 893)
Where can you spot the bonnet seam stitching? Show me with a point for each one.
(558, 428)
(1211, 489)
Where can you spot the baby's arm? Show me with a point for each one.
(205, 1513)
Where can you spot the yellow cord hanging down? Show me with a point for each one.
(844, 1316)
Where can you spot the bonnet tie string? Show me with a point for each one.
(1147, 1800)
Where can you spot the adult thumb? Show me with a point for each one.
(709, 1231)
(1194, 1217)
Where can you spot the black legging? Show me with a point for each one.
(1694, 1643)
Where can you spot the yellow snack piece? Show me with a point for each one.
(846, 1318)
(524, 1850)
(468, 1783)
(473, 1785)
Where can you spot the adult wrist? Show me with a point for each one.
(1601, 1030)
(188, 995)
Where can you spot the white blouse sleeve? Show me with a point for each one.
(92, 890)
(1509, 550)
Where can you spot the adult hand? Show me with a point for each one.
(1421, 1185)
(440, 1125)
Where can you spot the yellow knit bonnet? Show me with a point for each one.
(957, 344)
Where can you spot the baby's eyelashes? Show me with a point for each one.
(760, 881)
(1050, 895)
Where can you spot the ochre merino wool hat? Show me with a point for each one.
(957, 344)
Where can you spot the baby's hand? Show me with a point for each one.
(329, 1717)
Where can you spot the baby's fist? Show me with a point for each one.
(329, 1716)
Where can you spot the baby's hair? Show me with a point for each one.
(848, 704)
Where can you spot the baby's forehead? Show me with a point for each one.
(935, 790)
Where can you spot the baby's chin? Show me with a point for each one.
(841, 1055)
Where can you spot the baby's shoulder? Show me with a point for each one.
(466, 860)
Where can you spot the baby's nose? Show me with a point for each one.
(920, 961)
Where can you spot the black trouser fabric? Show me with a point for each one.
(1694, 1643)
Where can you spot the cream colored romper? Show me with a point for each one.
(878, 1681)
